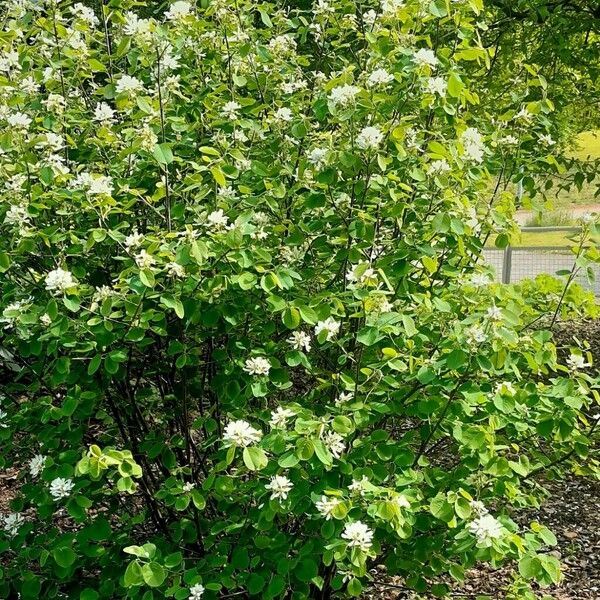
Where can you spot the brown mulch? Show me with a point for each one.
(572, 512)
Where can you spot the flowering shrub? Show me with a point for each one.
(247, 347)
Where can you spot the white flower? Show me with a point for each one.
(3, 416)
(144, 260)
(103, 113)
(53, 141)
(330, 325)
(241, 433)
(494, 313)
(425, 58)
(370, 17)
(257, 365)
(588, 218)
(178, 10)
(280, 487)
(362, 274)
(36, 465)
(85, 13)
(335, 443)
(505, 388)
(322, 7)
(16, 182)
(29, 85)
(547, 140)
(61, 488)
(188, 486)
(473, 145)
(283, 115)
(486, 529)
(101, 185)
(475, 335)
(379, 77)
(479, 280)
(402, 501)
(389, 8)
(342, 95)
(577, 361)
(227, 193)
(196, 592)
(217, 220)
(318, 157)
(370, 137)
(55, 103)
(358, 486)
(478, 508)
(10, 60)
(230, 110)
(509, 140)
(299, 340)
(343, 398)
(524, 115)
(12, 522)
(437, 85)
(136, 26)
(59, 280)
(174, 269)
(133, 240)
(45, 320)
(282, 44)
(326, 506)
(129, 84)
(279, 417)
(19, 120)
(358, 535)
(17, 215)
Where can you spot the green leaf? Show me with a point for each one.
(173, 303)
(153, 574)
(255, 458)
(94, 364)
(455, 85)
(255, 583)
(147, 278)
(342, 424)
(354, 587)
(198, 500)
(306, 570)
(323, 454)
(218, 175)
(275, 587)
(64, 557)
(291, 318)
(133, 574)
(163, 154)
(264, 17)
(529, 566)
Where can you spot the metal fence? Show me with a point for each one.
(515, 263)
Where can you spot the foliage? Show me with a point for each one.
(246, 347)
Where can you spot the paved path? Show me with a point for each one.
(522, 216)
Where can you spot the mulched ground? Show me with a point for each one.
(573, 514)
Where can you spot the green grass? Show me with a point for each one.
(587, 146)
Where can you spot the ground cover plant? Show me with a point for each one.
(246, 347)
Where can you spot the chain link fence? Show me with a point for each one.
(515, 263)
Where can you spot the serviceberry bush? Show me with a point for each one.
(248, 345)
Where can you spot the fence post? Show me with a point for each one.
(507, 264)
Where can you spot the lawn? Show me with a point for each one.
(543, 238)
